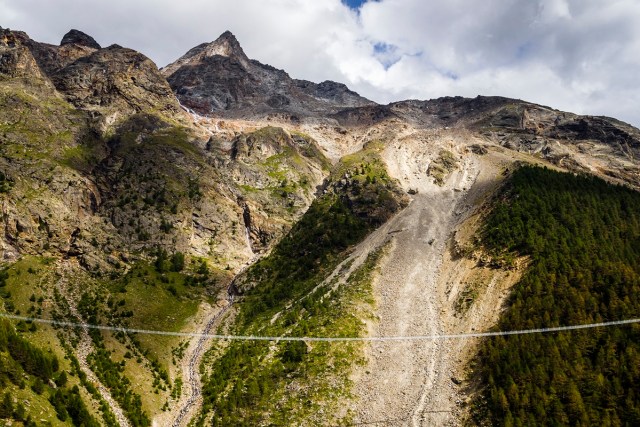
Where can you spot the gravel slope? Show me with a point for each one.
(405, 383)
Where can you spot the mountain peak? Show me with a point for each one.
(227, 35)
(226, 45)
(219, 78)
(79, 38)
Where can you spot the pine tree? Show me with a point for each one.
(6, 406)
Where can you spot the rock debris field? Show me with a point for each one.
(409, 383)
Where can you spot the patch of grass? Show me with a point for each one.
(34, 123)
(249, 188)
(466, 298)
(309, 148)
(26, 277)
(178, 139)
(277, 164)
(441, 166)
(39, 410)
(167, 310)
(364, 165)
(83, 156)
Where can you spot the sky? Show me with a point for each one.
(581, 56)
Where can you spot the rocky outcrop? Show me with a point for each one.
(47, 59)
(16, 59)
(79, 38)
(115, 83)
(598, 145)
(275, 174)
(111, 83)
(219, 79)
(364, 116)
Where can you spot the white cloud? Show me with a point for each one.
(553, 10)
(577, 55)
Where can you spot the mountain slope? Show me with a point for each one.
(102, 173)
(294, 290)
(581, 236)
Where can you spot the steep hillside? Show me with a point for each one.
(106, 183)
(303, 288)
(598, 145)
(107, 123)
(581, 236)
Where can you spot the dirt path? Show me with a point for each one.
(85, 347)
(191, 399)
(408, 383)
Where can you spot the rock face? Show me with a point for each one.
(599, 145)
(112, 83)
(50, 58)
(16, 59)
(219, 79)
(276, 174)
(79, 38)
(116, 82)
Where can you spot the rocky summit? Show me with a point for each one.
(219, 195)
(79, 38)
(218, 78)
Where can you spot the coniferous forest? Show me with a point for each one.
(581, 236)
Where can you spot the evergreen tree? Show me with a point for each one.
(6, 406)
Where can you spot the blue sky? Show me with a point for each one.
(575, 55)
(354, 4)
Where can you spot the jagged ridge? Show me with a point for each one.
(218, 79)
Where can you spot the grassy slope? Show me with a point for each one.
(25, 292)
(148, 297)
(122, 302)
